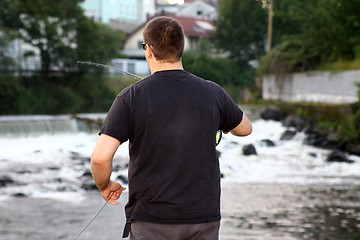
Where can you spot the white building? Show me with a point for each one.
(198, 9)
(134, 11)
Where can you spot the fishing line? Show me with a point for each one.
(94, 217)
(217, 138)
(109, 67)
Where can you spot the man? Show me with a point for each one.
(170, 119)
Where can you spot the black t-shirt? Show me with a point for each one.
(170, 119)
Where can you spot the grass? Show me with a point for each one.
(340, 65)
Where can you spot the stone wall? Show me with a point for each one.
(318, 87)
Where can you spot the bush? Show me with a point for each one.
(64, 93)
(9, 91)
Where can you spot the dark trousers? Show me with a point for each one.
(154, 231)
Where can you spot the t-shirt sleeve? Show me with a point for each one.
(116, 123)
(231, 114)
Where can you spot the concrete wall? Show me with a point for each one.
(320, 87)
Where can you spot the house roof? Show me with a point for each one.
(195, 27)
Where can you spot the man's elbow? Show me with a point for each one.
(242, 131)
(247, 131)
(97, 160)
(244, 128)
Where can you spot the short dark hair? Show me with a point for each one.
(165, 36)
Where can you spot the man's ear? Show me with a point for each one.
(148, 52)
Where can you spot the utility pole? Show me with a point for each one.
(100, 11)
(270, 17)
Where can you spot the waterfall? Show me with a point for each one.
(33, 125)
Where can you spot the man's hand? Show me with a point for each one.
(101, 168)
(112, 192)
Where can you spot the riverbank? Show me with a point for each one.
(327, 126)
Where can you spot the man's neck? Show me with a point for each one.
(160, 66)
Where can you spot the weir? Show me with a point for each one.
(34, 125)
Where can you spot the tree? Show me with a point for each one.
(241, 29)
(97, 42)
(9, 84)
(50, 26)
(220, 70)
(321, 31)
(62, 35)
(60, 31)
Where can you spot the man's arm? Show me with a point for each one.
(244, 128)
(101, 168)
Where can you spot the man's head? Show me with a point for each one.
(165, 36)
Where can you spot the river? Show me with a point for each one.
(288, 191)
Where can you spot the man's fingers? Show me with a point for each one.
(113, 202)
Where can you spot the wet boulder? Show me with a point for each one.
(272, 113)
(249, 150)
(338, 156)
(267, 143)
(5, 180)
(88, 174)
(353, 149)
(322, 137)
(79, 157)
(296, 122)
(54, 168)
(288, 135)
(89, 186)
(123, 178)
(19, 195)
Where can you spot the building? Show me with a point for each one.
(205, 9)
(130, 11)
(198, 9)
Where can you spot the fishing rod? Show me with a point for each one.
(109, 67)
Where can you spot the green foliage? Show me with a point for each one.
(61, 32)
(9, 90)
(6, 62)
(318, 32)
(241, 30)
(339, 65)
(62, 35)
(291, 55)
(323, 114)
(47, 25)
(63, 94)
(352, 129)
(220, 70)
(97, 42)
